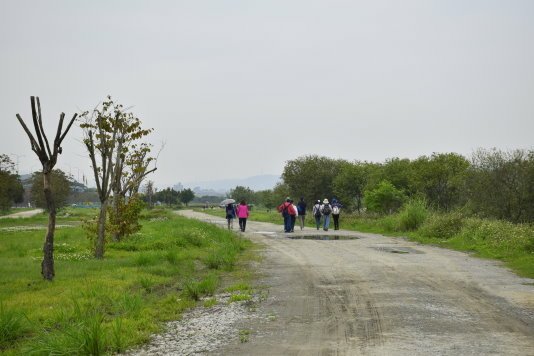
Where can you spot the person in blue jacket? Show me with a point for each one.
(230, 215)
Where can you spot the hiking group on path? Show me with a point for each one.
(321, 213)
(290, 212)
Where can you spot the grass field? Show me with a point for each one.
(510, 243)
(106, 306)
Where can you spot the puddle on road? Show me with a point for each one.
(399, 250)
(321, 237)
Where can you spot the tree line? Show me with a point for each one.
(491, 183)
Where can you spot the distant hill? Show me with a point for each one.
(221, 186)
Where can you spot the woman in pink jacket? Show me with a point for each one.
(242, 214)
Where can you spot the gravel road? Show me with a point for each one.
(22, 214)
(375, 295)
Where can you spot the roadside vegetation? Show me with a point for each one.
(103, 306)
(483, 204)
(495, 239)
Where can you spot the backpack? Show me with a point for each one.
(335, 210)
(317, 209)
(327, 209)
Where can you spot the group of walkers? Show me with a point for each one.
(290, 212)
(241, 211)
(321, 213)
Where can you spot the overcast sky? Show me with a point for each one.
(237, 88)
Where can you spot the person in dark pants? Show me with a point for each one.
(336, 210)
(242, 214)
(301, 208)
(284, 209)
(230, 215)
(293, 213)
(316, 211)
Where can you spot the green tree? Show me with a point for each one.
(397, 171)
(441, 179)
(385, 198)
(240, 193)
(265, 198)
(167, 196)
(11, 190)
(186, 196)
(118, 159)
(311, 177)
(350, 183)
(500, 184)
(60, 191)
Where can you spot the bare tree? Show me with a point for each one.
(48, 159)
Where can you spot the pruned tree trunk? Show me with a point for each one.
(47, 265)
(100, 240)
(48, 158)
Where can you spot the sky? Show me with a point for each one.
(238, 88)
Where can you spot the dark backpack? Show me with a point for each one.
(318, 210)
(327, 209)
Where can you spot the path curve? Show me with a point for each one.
(377, 295)
(22, 214)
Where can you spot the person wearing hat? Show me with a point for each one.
(316, 211)
(326, 210)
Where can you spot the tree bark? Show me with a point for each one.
(47, 266)
(99, 248)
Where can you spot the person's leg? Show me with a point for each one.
(244, 224)
(293, 220)
(326, 222)
(229, 222)
(287, 223)
(301, 219)
(241, 224)
(318, 222)
(336, 222)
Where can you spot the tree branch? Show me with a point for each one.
(41, 128)
(40, 147)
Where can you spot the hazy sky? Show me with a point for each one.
(236, 88)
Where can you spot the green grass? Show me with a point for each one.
(510, 243)
(107, 306)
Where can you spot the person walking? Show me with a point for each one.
(293, 214)
(242, 214)
(316, 211)
(336, 210)
(230, 215)
(301, 209)
(326, 210)
(284, 209)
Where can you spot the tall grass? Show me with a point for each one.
(103, 306)
(12, 325)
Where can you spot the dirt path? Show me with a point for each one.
(376, 295)
(22, 214)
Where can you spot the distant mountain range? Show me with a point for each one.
(222, 186)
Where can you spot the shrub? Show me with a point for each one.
(385, 198)
(412, 215)
(443, 226)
